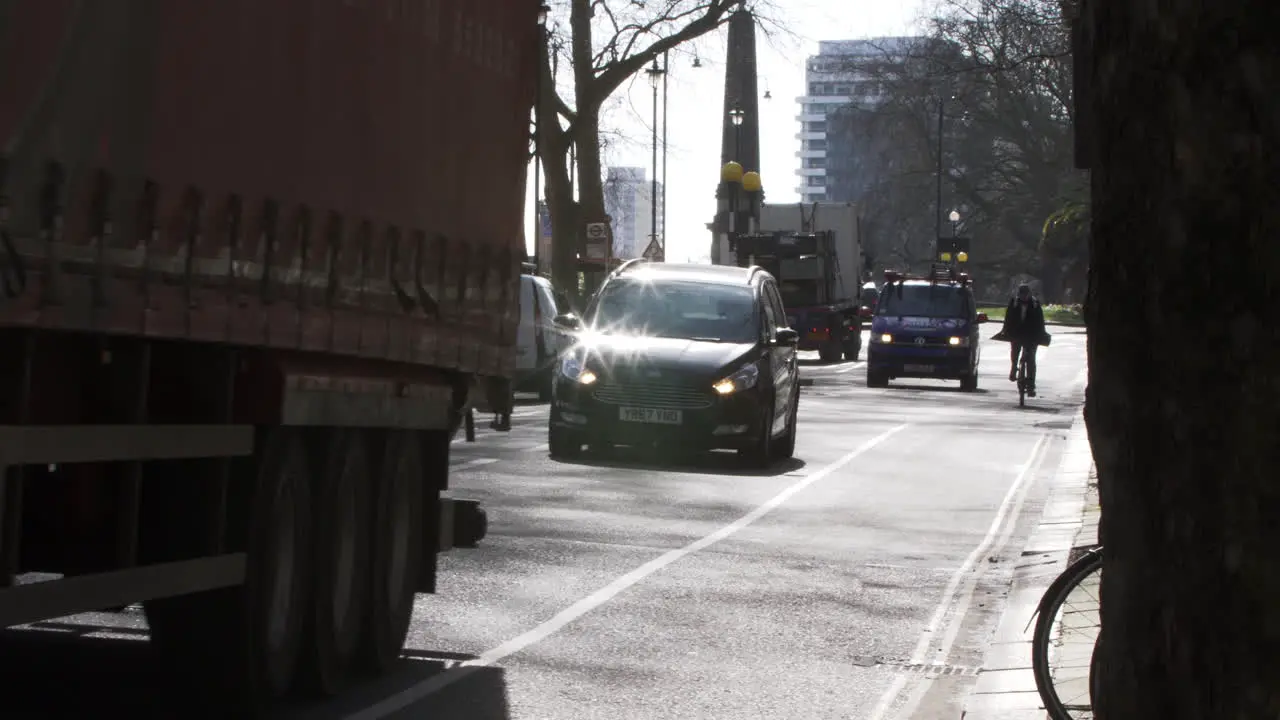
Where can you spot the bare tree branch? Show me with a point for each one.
(604, 43)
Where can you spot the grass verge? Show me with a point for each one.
(1058, 314)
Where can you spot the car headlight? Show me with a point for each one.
(885, 338)
(572, 368)
(744, 379)
(958, 341)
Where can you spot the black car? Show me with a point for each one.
(695, 357)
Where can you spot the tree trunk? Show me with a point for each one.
(1183, 404)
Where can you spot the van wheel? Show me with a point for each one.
(563, 443)
(785, 449)
(761, 455)
(877, 379)
(969, 383)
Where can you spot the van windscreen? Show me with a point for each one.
(921, 300)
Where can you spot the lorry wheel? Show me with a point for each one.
(343, 535)
(851, 352)
(396, 550)
(242, 644)
(830, 353)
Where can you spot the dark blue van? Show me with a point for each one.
(925, 327)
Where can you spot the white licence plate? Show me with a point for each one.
(918, 368)
(653, 416)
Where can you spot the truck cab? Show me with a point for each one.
(925, 327)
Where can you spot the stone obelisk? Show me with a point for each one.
(740, 141)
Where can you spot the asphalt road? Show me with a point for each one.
(860, 580)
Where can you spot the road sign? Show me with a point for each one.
(597, 231)
(654, 251)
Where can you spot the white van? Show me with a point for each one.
(539, 341)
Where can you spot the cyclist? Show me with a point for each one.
(1024, 329)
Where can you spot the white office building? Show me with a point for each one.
(628, 201)
(833, 78)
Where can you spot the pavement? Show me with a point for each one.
(1006, 687)
(864, 579)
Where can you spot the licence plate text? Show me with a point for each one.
(654, 416)
(918, 368)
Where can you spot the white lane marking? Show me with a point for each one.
(539, 448)
(404, 699)
(954, 598)
(851, 367)
(471, 464)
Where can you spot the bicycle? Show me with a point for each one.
(1069, 632)
(1022, 368)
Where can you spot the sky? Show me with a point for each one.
(695, 103)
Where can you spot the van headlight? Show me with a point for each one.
(573, 368)
(955, 341)
(744, 379)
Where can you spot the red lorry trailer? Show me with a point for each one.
(255, 258)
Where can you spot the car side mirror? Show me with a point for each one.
(982, 317)
(864, 312)
(786, 336)
(568, 321)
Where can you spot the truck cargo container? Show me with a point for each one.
(257, 258)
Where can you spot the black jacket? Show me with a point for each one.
(1028, 329)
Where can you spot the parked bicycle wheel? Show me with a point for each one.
(1067, 626)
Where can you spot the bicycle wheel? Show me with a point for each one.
(1022, 383)
(1066, 630)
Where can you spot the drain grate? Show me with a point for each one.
(937, 669)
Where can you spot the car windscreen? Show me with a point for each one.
(937, 301)
(675, 309)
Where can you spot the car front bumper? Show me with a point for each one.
(706, 421)
(899, 361)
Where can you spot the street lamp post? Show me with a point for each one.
(731, 174)
(737, 116)
(656, 79)
(543, 11)
(946, 255)
(753, 186)
(665, 68)
(937, 208)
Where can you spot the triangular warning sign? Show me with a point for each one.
(653, 251)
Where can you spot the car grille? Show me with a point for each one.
(653, 395)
